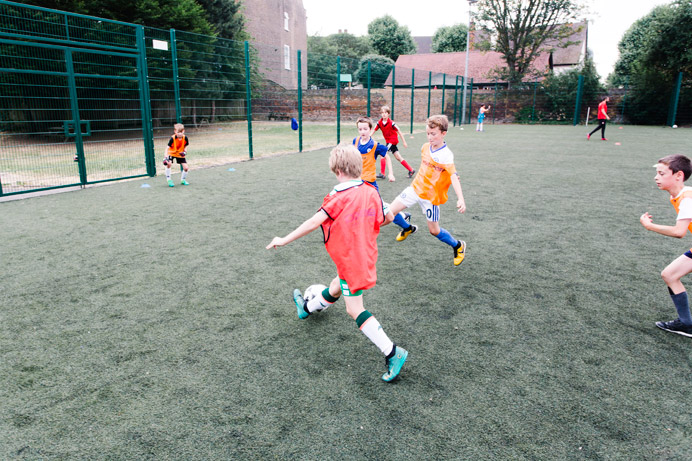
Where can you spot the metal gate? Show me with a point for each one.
(71, 113)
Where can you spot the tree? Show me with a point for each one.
(450, 39)
(523, 27)
(380, 68)
(561, 90)
(652, 53)
(226, 17)
(322, 53)
(390, 39)
(185, 15)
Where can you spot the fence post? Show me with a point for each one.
(369, 84)
(338, 99)
(429, 83)
(413, 95)
(300, 104)
(148, 130)
(494, 101)
(577, 103)
(444, 83)
(248, 97)
(673, 111)
(533, 108)
(470, 98)
(176, 78)
(456, 90)
(624, 98)
(393, 86)
(74, 107)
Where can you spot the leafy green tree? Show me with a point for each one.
(652, 53)
(523, 27)
(632, 47)
(390, 39)
(226, 17)
(185, 15)
(561, 90)
(450, 39)
(380, 67)
(322, 53)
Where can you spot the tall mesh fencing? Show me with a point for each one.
(86, 100)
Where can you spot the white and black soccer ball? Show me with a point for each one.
(312, 291)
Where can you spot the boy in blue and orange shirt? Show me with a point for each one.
(350, 217)
(671, 173)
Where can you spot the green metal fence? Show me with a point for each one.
(87, 100)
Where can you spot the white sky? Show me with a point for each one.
(608, 19)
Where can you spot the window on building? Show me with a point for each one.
(287, 57)
(285, 20)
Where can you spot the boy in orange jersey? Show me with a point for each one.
(177, 146)
(671, 173)
(350, 217)
(392, 134)
(429, 188)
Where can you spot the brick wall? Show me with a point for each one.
(265, 24)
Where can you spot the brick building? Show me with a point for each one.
(278, 29)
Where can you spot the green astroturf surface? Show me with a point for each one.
(151, 323)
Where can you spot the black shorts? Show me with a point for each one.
(393, 148)
(170, 159)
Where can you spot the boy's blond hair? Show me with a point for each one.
(178, 127)
(438, 121)
(367, 120)
(386, 109)
(346, 159)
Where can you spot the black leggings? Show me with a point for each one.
(601, 126)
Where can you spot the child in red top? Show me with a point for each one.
(391, 133)
(350, 217)
(602, 117)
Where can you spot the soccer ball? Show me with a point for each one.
(675, 126)
(312, 291)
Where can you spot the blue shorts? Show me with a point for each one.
(688, 253)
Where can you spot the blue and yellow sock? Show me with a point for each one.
(447, 238)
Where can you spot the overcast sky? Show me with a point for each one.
(608, 19)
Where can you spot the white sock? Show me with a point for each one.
(318, 303)
(183, 175)
(373, 330)
(168, 173)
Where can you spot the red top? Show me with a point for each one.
(388, 130)
(602, 110)
(355, 213)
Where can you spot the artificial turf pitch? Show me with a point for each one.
(151, 323)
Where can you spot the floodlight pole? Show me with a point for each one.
(466, 67)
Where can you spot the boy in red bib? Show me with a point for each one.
(392, 134)
(671, 173)
(177, 149)
(350, 218)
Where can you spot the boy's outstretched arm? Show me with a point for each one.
(678, 230)
(302, 230)
(401, 136)
(461, 204)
